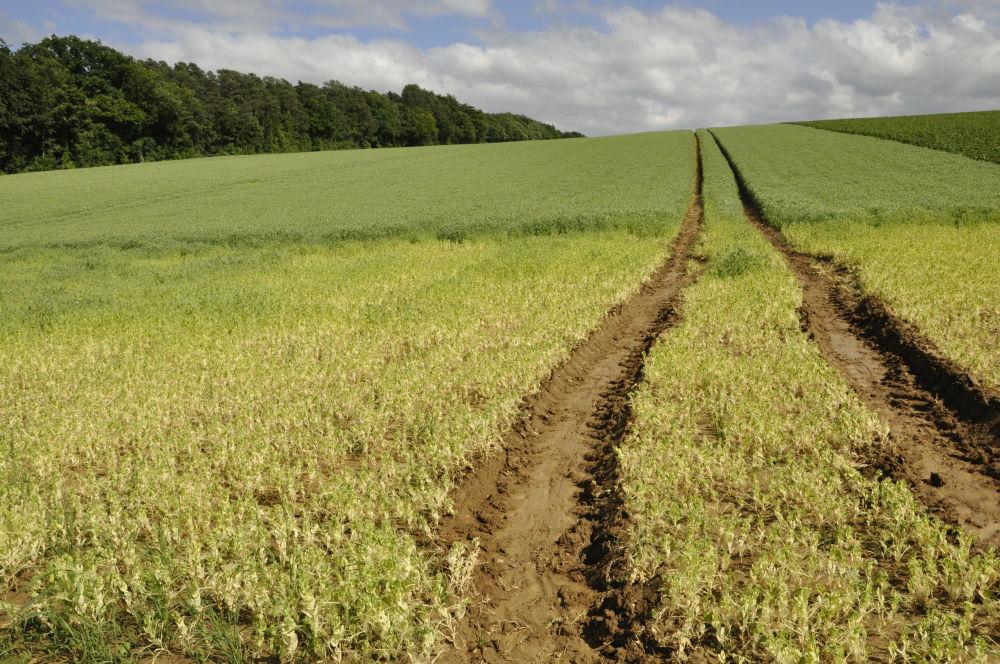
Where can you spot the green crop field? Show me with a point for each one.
(446, 192)
(975, 135)
(242, 398)
(778, 548)
(921, 228)
(225, 426)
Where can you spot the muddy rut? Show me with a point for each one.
(944, 428)
(545, 510)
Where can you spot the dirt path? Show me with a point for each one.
(545, 510)
(944, 428)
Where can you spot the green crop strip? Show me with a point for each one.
(744, 478)
(975, 135)
(920, 228)
(230, 450)
(448, 192)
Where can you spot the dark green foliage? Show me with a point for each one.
(68, 102)
(975, 135)
(737, 262)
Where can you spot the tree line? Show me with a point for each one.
(67, 102)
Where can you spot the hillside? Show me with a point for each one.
(259, 420)
(68, 102)
(462, 403)
(975, 135)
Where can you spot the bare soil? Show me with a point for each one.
(546, 510)
(944, 426)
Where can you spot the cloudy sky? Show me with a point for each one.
(597, 66)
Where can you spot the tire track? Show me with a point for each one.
(547, 512)
(944, 427)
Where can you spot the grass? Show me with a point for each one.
(232, 449)
(921, 228)
(447, 192)
(975, 135)
(752, 509)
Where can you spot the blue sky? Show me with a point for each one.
(102, 20)
(599, 66)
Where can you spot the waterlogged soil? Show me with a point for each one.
(546, 510)
(944, 426)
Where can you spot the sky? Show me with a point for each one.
(596, 66)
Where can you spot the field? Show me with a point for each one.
(975, 135)
(616, 399)
(781, 547)
(920, 227)
(226, 429)
(446, 192)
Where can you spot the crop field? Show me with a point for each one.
(975, 135)
(920, 227)
(584, 400)
(225, 430)
(445, 192)
(780, 547)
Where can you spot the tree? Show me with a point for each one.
(388, 118)
(68, 102)
(419, 127)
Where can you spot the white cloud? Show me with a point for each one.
(670, 68)
(674, 67)
(262, 15)
(382, 65)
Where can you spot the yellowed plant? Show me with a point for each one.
(767, 537)
(238, 447)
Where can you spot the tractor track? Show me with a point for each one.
(547, 511)
(944, 427)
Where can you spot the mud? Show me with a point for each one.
(944, 426)
(546, 510)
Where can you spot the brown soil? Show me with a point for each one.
(546, 510)
(943, 426)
